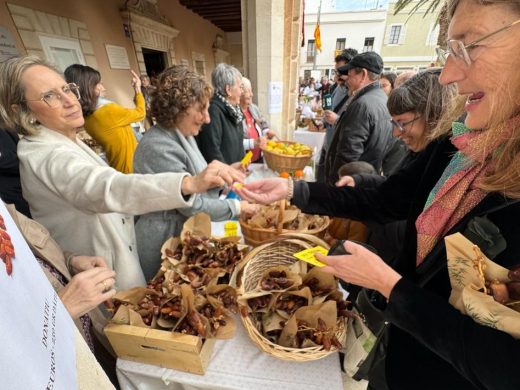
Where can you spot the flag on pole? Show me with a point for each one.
(317, 37)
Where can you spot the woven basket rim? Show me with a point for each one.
(276, 350)
(273, 230)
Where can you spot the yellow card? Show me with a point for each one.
(247, 159)
(307, 255)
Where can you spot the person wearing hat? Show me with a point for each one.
(363, 130)
(339, 94)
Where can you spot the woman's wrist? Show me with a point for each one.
(388, 283)
(188, 185)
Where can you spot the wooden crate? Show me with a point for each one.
(161, 348)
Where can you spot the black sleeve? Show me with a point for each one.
(485, 356)
(209, 139)
(367, 180)
(385, 203)
(8, 159)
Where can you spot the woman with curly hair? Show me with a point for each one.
(180, 108)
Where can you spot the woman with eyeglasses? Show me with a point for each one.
(108, 123)
(470, 179)
(87, 206)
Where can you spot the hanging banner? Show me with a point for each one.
(37, 333)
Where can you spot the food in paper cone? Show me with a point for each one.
(296, 310)
(482, 289)
(189, 293)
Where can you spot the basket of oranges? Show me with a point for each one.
(286, 156)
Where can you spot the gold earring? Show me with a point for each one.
(32, 121)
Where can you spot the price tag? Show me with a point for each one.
(307, 255)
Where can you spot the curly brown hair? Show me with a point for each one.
(178, 89)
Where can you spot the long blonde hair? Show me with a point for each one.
(504, 175)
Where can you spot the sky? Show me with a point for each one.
(311, 6)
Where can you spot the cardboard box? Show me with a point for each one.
(161, 348)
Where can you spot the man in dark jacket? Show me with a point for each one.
(363, 130)
(339, 93)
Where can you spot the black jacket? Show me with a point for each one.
(362, 132)
(222, 139)
(431, 344)
(10, 186)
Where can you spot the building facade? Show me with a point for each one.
(361, 30)
(409, 40)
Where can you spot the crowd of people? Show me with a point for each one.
(414, 159)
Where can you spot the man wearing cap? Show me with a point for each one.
(339, 93)
(363, 130)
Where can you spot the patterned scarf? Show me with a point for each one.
(457, 193)
(235, 111)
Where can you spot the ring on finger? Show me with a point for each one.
(106, 288)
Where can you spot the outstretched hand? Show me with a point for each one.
(264, 191)
(216, 174)
(362, 267)
(346, 181)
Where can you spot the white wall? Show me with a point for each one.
(355, 26)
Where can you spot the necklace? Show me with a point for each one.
(6, 247)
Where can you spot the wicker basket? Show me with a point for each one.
(283, 163)
(255, 236)
(280, 252)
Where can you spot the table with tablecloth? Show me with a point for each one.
(236, 364)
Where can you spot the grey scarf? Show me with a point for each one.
(235, 111)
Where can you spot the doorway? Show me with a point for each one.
(154, 61)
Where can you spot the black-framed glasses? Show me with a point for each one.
(401, 125)
(53, 98)
(460, 52)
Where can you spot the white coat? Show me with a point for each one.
(87, 206)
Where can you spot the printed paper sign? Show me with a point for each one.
(38, 335)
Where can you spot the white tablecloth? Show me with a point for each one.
(236, 364)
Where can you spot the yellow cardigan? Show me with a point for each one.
(110, 126)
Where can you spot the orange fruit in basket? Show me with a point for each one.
(299, 174)
(285, 175)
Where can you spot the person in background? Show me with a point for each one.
(256, 128)
(222, 138)
(87, 206)
(363, 130)
(402, 77)
(169, 146)
(148, 89)
(339, 93)
(108, 123)
(10, 185)
(468, 179)
(387, 81)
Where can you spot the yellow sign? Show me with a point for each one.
(307, 255)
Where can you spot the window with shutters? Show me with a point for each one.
(311, 50)
(369, 44)
(433, 36)
(395, 32)
(340, 43)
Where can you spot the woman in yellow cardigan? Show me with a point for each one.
(105, 121)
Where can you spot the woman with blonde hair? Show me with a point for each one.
(470, 179)
(87, 206)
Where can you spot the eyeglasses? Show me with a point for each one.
(401, 125)
(53, 98)
(460, 52)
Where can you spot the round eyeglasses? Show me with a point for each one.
(401, 126)
(53, 98)
(460, 52)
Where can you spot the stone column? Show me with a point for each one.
(270, 41)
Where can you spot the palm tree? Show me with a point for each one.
(433, 5)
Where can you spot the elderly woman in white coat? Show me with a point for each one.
(170, 146)
(87, 206)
